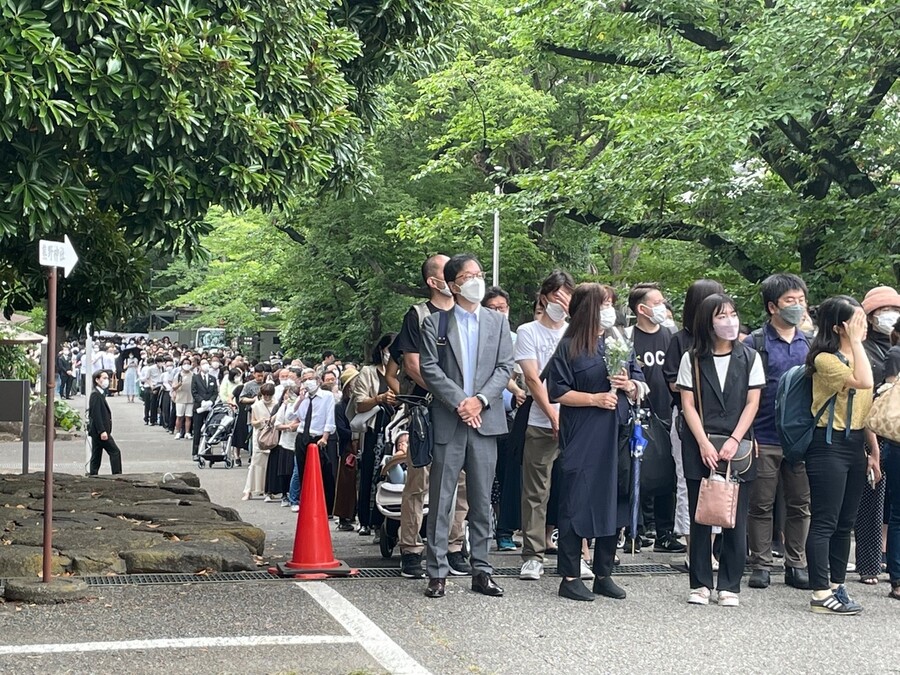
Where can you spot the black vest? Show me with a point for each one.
(722, 408)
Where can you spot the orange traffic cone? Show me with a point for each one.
(313, 554)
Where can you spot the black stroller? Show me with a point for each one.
(215, 437)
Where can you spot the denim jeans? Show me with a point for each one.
(891, 460)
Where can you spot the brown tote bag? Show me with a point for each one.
(718, 498)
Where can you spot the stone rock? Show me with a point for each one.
(189, 557)
(244, 533)
(35, 591)
(27, 561)
(95, 562)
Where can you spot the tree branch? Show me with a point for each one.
(689, 31)
(729, 251)
(292, 233)
(653, 66)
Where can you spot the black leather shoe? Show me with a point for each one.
(607, 587)
(798, 577)
(575, 590)
(484, 584)
(435, 588)
(759, 579)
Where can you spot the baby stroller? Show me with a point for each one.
(389, 488)
(215, 437)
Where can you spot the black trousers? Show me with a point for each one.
(837, 475)
(165, 409)
(97, 448)
(368, 516)
(328, 462)
(569, 555)
(733, 554)
(197, 428)
(154, 405)
(509, 476)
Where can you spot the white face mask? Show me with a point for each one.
(727, 329)
(607, 318)
(103, 384)
(204, 367)
(885, 322)
(311, 386)
(186, 367)
(555, 312)
(659, 314)
(669, 323)
(215, 366)
(445, 291)
(473, 290)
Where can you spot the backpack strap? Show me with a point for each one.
(422, 312)
(759, 344)
(833, 401)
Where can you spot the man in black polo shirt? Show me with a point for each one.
(405, 350)
(651, 341)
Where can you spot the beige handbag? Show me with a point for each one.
(718, 500)
(884, 417)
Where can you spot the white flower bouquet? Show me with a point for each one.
(617, 354)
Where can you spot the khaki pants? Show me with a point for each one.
(771, 469)
(414, 491)
(538, 454)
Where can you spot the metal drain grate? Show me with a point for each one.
(364, 573)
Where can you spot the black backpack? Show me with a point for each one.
(421, 433)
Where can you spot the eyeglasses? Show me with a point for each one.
(499, 307)
(469, 277)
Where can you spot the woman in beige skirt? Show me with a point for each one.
(260, 413)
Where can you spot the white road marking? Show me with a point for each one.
(178, 643)
(370, 637)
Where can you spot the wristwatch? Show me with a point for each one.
(483, 399)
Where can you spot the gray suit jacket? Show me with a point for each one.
(493, 369)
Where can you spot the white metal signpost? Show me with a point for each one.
(52, 254)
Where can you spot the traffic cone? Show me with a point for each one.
(313, 554)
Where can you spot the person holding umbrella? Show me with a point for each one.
(593, 403)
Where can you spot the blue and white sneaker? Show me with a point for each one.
(839, 602)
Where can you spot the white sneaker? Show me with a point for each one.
(728, 599)
(699, 596)
(268, 499)
(586, 573)
(285, 502)
(532, 570)
(295, 508)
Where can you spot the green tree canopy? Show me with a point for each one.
(132, 118)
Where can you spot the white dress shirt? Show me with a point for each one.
(322, 413)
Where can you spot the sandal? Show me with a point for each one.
(868, 579)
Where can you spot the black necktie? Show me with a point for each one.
(308, 422)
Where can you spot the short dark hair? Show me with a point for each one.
(267, 389)
(494, 292)
(555, 280)
(259, 368)
(776, 285)
(383, 343)
(638, 292)
(327, 353)
(455, 264)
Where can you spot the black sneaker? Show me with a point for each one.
(836, 603)
(668, 544)
(628, 544)
(459, 566)
(411, 566)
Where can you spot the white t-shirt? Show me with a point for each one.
(536, 342)
(686, 371)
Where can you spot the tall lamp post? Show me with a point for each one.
(496, 257)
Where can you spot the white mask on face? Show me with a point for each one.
(669, 323)
(885, 322)
(445, 290)
(103, 384)
(204, 367)
(727, 329)
(607, 318)
(659, 314)
(186, 367)
(555, 312)
(473, 290)
(311, 386)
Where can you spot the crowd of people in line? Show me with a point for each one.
(527, 431)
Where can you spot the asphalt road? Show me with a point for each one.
(387, 625)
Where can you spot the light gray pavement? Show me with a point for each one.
(530, 630)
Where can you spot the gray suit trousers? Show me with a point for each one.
(476, 454)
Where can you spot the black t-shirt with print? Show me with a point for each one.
(650, 351)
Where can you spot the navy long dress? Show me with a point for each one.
(588, 445)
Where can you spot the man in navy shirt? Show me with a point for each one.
(781, 345)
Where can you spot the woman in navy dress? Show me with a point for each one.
(589, 418)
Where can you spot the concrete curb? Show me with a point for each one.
(37, 592)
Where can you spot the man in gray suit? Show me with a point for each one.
(466, 371)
